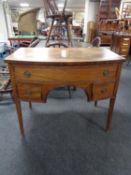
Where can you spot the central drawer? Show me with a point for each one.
(67, 73)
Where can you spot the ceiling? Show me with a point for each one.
(39, 3)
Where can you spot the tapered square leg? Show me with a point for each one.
(96, 103)
(30, 105)
(19, 115)
(110, 112)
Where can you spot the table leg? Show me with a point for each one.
(19, 115)
(96, 103)
(110, 112)
(30, 105)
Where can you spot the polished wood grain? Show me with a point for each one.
(36, 71)
(63, 56)
(29, 73)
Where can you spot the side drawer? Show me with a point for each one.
(29, 92)
(102, 91)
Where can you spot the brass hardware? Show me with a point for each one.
(27, 74)
(103, 90)
(106, 73)
(28, 92)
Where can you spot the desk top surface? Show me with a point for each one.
(63, 56)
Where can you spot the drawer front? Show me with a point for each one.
(29, 92)
(124, 52)
(125, 40)
(65, 74)
(125, 44)
(102, 91)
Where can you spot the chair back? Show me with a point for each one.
(57, 45)
(34, 42)
(96, 42)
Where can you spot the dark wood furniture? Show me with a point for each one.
(109, 21)
(105, 28)
(107, 9)
(121, 43)
(36, 71)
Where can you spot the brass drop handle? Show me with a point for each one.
(27, 74)
(106, 73)
(28, 92)
(103, 90)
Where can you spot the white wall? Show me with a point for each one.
(6, 28)
(9, 19)
(91, 10)
(3, 27)
(86, 16)
(40, 15)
